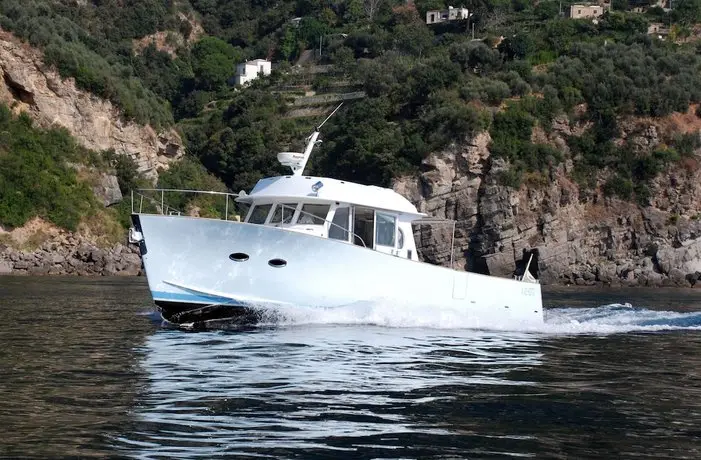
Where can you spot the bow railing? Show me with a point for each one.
(165, 201)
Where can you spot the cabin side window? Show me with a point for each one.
(284, 212)
(338, 230)
(313, 214)
(385, 229)
(259, 213)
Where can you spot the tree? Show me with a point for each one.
(517, 47)
(412, 38)
(213, 62)
(475, 57)
(371, 8)
(288, 47)
(686, 11)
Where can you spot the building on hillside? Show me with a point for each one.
(451, 14)
(658, 30)
(250, 70)
(586, 10)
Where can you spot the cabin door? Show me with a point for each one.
(364, 227)
(386, 233)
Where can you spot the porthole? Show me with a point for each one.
(277, 263)
(238, 257)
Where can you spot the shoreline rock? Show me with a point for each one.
(73, 256)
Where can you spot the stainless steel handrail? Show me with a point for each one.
(164, 208)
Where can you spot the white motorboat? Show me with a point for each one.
(313, 242)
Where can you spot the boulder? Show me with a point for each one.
(56, 259)
(110, 269)
(22, 265)
(686, 258)
(678, 277)
(5, 268)
(606, 272)
(107, 190)
(38, 271)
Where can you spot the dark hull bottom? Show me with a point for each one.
(202, 316)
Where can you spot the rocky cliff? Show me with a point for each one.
(26, 84)
(580, 236)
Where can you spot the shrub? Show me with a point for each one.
(512, 177)
(35, 178)
(617, 186)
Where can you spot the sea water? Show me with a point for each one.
(87, 369)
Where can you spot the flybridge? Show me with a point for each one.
(297, 161)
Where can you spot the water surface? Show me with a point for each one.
(86, 370)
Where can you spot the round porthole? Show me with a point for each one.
(238, 257)
(277, 263)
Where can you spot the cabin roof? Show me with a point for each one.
(302, 188)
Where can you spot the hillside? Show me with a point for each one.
(557, 103)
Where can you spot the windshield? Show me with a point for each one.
(259, 214)
(283, 213)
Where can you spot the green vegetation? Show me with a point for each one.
(427, 87)
(36, 175)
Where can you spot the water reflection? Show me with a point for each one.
(68, 371)
(317, 389)
(83, 373)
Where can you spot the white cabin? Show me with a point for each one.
(368, 216)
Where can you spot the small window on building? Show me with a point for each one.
(400, 238)
(314, 214)
(283, 213)
(259, 214)
(385, 227)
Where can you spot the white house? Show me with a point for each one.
(451, 14)
(250, 70)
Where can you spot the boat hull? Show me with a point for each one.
(205, 269)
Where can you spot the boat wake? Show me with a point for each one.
(607, 319)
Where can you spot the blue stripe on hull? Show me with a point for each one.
(192, 298)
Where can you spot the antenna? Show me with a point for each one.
(318, 128)
(297, 161)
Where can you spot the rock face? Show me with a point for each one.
(26, 84)
(64, 253)
(579, 238)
